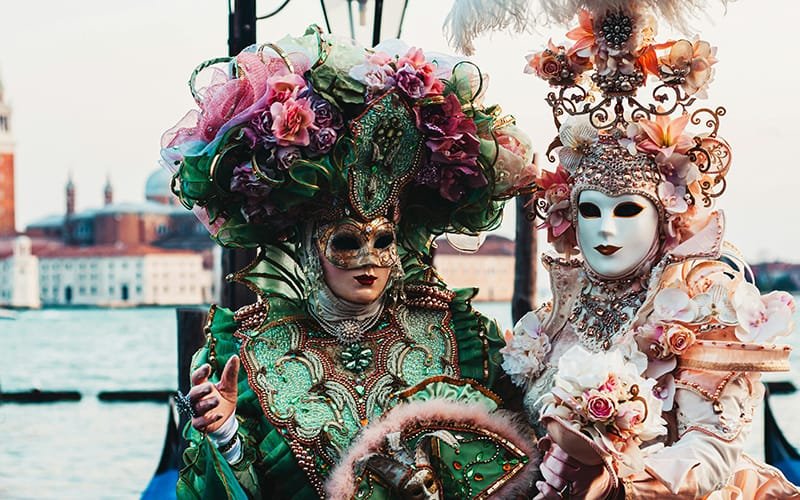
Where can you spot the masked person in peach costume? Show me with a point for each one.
(642, 374)
(362, 375)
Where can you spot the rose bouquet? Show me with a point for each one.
(277, 131)
(602, 403)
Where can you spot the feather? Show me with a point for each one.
(677, 13)
(470, 18)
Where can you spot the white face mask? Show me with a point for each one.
(615, 234)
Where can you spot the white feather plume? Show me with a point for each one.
(469, 18)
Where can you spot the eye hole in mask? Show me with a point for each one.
(589, 210)
(628, 209)
(384, 240)
(345, 242)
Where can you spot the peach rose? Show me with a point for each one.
(679, 339)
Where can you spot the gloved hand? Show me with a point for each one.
(213, 403)
(565, 477)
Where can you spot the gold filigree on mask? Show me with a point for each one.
(350, 244)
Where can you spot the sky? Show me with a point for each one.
(94, 83)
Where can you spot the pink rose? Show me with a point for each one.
(379, 58)
(611, 383)
(415, 58)
(600, 406)
(291, 121)
(283, 87)
(629, 415)
(679, 338)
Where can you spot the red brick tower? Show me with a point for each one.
(7, 215)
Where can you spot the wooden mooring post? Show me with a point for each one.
(191, 337)
(525, 260)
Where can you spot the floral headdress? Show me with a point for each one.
(613, 141)
(311, 129)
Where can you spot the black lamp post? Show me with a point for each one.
(362, 20)
(354, 18)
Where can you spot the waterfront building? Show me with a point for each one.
(19, 275)
(121, 254)
(120, 275)
(491, 268)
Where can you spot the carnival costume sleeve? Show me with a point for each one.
(717, 332)
(267, 468)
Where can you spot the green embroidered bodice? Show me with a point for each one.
(320, 393)
(303, 397)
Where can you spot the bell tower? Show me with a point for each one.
(7, 215)
(108, 192)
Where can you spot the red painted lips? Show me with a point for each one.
(365, 279)
(606, 249)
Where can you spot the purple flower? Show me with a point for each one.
(261, 124)
(322, 140)
(410, 83)
(379, 80)
(244, 181)
(286, 156)
(456, 180)
(462, 150)
(250, 136)
(325, 115)
(256, 207)
(440, 120)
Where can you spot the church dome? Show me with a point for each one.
(157, 186)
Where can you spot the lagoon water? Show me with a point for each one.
(91, 449)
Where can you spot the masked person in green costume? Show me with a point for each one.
(362, 375)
